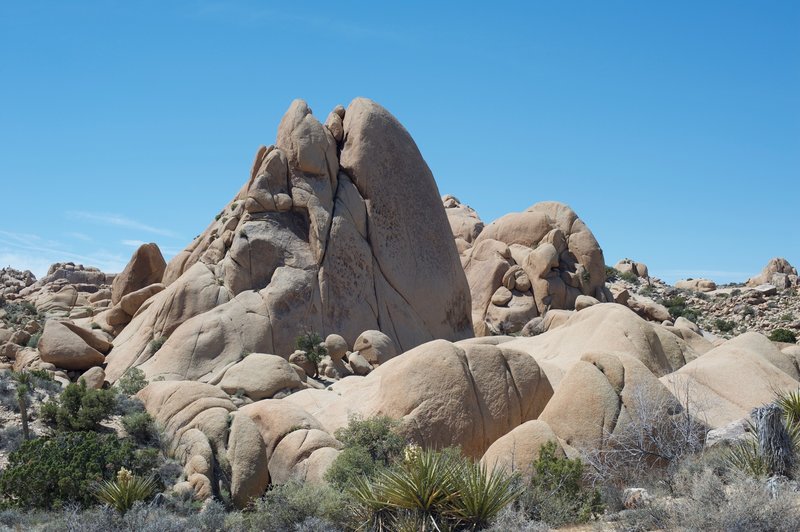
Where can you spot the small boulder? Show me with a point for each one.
(375, 347)
(358, 363)
(260, 376)
(61, 346)
(582, 302)
(95, 378)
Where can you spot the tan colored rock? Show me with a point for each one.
(357, 247)
(606, 327)
(629, 266)
(95, 377)
(464, 221)
(774, 266)
(291, 457)
(248, 460)
(555, 256)
(582, 302)
(517, 450)
(729, 381)
(260, 376)
(697, 285)
(299, 359)
(375, 347)
(60, 345)
(648, 309)
(146, 267)
(687, 324)
(131, 302)
(600, 394)
(501, 296)
(358, 363)
(336, 346)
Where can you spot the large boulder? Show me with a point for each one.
(727, 382)
(517, 450)
(444, 394)
(465, 223)
(610, 328)
(697, 285)
(68, 346)
(639, 269)
(146, 267)
(260, 376)
(546, 256)
(601, 394)
(335, 233)
(778, 272)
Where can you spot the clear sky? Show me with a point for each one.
(672, 128)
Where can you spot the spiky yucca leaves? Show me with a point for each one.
(746, 455)
(125, 490)
(481, 494)
(432, 490)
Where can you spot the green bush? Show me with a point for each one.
(156, 343)
(33, 341)
(556, 493)
(629, 277)
(53, 472)
(125, 490)
(132, 381)
(724, 325)
(431, 490)
(783, 335)
(311, 343)
(79, 408)
(141, 427)
(611, 273)
(285, 506)
(677, 307)
(370, 444)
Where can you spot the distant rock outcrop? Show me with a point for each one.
(524, 264)
(778, 272)
(340, 229)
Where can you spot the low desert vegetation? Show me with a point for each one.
(783, 335)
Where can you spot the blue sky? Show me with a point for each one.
(672, 128)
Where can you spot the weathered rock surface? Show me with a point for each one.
(335, 236)
(68, 346)
(778, 272)
(546, 257)
(697, 285)
(516, 451)
(145, 268)
(638, 269)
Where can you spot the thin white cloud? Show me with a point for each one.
(37, 254)
(120, 221)
(79, 236)
(133, 243)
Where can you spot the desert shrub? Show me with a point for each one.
(370, 444)
(658, 435)
(11, 438)
(786, 317)
(556, 492)
(611, 273)
(60, 470)
(126, 489)
(125, 405)
(141, 427)
(79, 408)
(512, 517)
(678, 307)
(132, 381)
(629, 277)
(311, 343)
(431, 490)
(724, 325)
(783, 335)
(156, 343)
(713, 501)
(33, 341)
(292, 503)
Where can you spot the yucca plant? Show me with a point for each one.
(745, 457)
(424, 482)
(125, 490)
(481, 494)
(790, 404)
